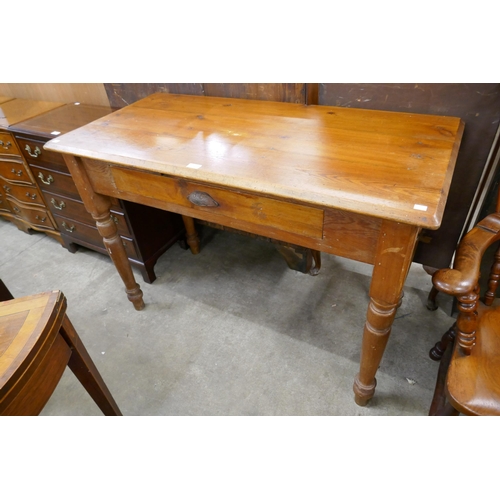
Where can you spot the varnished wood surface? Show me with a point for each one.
(377, 163)
(88, 93)
(4, 98)
(12, 112)
(62, 120)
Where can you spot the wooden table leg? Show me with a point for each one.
(192, 237)
(99, 207)
(395, 251)
(83, 367)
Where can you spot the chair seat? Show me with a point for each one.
(473, 381)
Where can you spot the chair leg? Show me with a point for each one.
(436, 353)
(85, 370)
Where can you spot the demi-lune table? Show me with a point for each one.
(356, 183)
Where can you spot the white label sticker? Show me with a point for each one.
(56, 132)
(54, 140)
(423, 208)
(193, 165)
(77, 104)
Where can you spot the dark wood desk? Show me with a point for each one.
(354, 183)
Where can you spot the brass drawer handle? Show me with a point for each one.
(7, 189)
(70, 229)
(59, 205)
(5, 146)
(114, 219)
(32, 196)
(201, 199)
(17, 172)
(49, 180)
(35, 154)
(16, 210)
(41, 219)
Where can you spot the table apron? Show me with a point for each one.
(339, 232)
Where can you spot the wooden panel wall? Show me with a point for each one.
(122, 94)
(86, 93)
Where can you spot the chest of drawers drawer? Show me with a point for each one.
(36, 216)
(27, 194)
(8, 145)
(13, 169)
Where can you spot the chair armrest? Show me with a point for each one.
(464, 276)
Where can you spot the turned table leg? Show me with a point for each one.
(192, 237)
(395, 251)
(99, 207)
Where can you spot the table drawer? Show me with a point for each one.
(8, 145)
(27, 194)
(83, 233)
(14, 170)
(35, 216)
(34, 154)
(228, 207)
(55, 181)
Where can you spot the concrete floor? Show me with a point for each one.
(231, 331)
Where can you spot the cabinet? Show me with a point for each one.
(146, 232)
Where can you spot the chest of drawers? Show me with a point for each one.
(146, 232)
(21, 201)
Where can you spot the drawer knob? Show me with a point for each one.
(41, 219)
(35, 154)
(16, 210)
(29, 195)
(49, 180)
(7, 189)
(201, 199)
(70, 229)
(5, 145)
(17, 172)
(59, 205)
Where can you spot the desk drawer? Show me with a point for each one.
(34, 154)
(75, 209)
(219, 205)
(86, 235)
(55, 181)
(7, 145)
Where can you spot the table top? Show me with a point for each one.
(396, 166)
(16, 110)
(61, 120)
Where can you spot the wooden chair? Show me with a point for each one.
(37, 342)
(469, 375)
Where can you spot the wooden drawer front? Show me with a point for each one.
(26, 194)
(35, 216)
(83, 233)
(49, 180)
(75, 209)
(7, 145)
(220, 205)
(14, 170)
(4, 204)
(34, 154)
